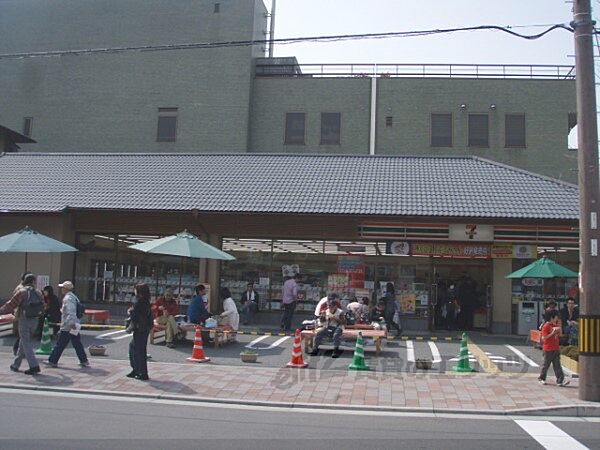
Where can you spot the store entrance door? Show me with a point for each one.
(463, 289)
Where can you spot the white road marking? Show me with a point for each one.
(549, 435)
(125, 336)
(276, 343)
(435, 353)
(256, 341)
(521, 355)
(110, 333)
(410, 351)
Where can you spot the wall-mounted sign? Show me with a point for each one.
(516, 251)
(397, 248)
(470, 232)
(453, 249)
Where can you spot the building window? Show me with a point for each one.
(294, 128)
(514, 130)
(441, 130)
(167, 125)
(389, 121)
(27, 126)
(330, 128)
(217, 8)
(478, 130)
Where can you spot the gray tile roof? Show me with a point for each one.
(267, 183)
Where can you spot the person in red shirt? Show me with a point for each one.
(550, 336)
(164, 310)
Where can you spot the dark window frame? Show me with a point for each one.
(334, 141)
(27, 126)
(520, 144)
(477, 141)
(288, 138)
(165, 115)
(433, 138)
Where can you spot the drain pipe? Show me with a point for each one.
(373, 129)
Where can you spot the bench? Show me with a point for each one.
(308, 336)
(97, 315)
(6, 325)
(221, 336)
(158, 333)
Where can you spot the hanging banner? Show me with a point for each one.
(470, 232)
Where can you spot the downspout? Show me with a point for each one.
(373, 124)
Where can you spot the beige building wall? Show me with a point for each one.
(501, 296)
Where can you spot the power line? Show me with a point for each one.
(284, 41)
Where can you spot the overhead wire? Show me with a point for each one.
(285, 41)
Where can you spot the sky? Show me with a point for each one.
(296, 18)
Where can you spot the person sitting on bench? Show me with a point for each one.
(332, 323)
(164, 310)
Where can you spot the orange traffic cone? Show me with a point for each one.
(297, 360)
(198, 351)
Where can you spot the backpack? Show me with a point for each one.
(80, 310)
(33, 306)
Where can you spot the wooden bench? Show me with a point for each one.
(158, 333)
(221, 336)
(97, 315)
(308, 336)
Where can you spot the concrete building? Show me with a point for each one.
(232, 99)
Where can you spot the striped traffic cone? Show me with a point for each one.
(198, 351)
(358, 361)
(463, 358)
(46, 346)
(297, 359)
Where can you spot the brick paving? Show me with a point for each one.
(254, 384)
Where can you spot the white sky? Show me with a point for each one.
(327, 17)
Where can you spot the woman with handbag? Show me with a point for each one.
(140, 322)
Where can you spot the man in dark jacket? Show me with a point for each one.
(569, 317)
(249, 302)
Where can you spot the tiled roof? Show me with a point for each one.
(267, 183)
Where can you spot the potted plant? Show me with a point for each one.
(249, 356)
(424, 364)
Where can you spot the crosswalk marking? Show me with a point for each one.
(410, 351)
(256, 341)
(521, 355)
(435, 353)
(549, 435)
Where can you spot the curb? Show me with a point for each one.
(556, 411)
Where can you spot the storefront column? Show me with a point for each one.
(213, 274)
(501, 296)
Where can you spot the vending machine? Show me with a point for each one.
(528, 314)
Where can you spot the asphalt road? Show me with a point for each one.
(509, 354)
(34, 420)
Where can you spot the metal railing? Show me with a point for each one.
(512, 71)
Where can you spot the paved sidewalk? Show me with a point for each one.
(257, 385)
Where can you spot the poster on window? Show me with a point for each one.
(337, 282)
(42, 281)
(288, 271)
(408, 303)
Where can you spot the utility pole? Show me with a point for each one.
(272, 27)
(589, 204)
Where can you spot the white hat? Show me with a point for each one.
(67, 285)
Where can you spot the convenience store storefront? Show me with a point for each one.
(333, 218)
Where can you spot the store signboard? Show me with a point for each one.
(455, 249)
(470, 232)
(516, 251)
(397, 248)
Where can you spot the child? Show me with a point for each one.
(550, 336)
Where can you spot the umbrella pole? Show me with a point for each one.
(180, 275)
(25, 262)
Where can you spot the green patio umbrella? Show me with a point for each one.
(30, 241)
(182, 244)
(543, 268)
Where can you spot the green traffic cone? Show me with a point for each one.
(358, 361)
(463, 358)
(46, 346)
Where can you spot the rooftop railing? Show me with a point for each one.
(512, 71)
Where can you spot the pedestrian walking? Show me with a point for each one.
(70, 327)
(551, 331)
(140, 323)
(288, 301)
(29, 304)
(391, 306)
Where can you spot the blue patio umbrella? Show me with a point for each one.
(30, 241)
